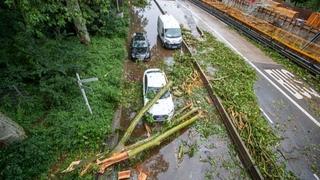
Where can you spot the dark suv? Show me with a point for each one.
(140, 47)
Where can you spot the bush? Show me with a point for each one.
(52, 110)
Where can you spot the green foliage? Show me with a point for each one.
(140, 3)
(151, 94)
(54, 18)
(50, 107)
(110, 25)
(53, 112)
(309, 4)
(148, 118)
(237, 94)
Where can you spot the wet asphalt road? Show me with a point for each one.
(163, 163)
(290, 105)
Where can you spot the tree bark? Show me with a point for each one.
(79, 21)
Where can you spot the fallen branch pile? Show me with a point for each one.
(122, 152)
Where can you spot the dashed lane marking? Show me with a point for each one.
(287, 81)
(254, 66)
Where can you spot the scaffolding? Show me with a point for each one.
(289, 40)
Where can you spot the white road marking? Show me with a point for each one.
(265, 114)
(295, 87)
(256, 68)
(317, 178)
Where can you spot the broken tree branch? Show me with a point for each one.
(185, 115)
(154, 142)
(139, 115)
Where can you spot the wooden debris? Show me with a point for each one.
(180, 152)
(72, 166)
(184, 116)
(157, 141)
(209, 101)
(124, 174)
(147, 129)
(112, 160)
(142, 175)
(85, 170)
(118, 157)
(192, 81)
(177, 93)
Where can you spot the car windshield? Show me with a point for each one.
(152, 91)
(140, 44)
(173, 32)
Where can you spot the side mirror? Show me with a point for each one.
(162, 34)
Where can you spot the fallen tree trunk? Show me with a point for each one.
(154, 142)
(78, 21)
(76, 164)
(174, 122)
(136, 119)
(184, 116)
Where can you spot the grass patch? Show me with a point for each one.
(237, 95)
(64, 131)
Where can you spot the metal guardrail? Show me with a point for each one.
(242, 150)
(314, 68)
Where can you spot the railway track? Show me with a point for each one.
(242, 150)
(312, 66)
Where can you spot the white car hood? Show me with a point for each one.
(162, 107)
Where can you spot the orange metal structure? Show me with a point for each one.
(283, 11)
(314, 20)
(284, 37)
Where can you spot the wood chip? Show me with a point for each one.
(124, 174)
(71, 166)
(142, 175)
(147, 129)
(208, 100)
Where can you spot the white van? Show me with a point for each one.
(169, 31)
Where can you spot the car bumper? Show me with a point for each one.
(172, 46)
(140, 57)
(162, 118)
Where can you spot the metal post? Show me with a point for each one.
(83, 91)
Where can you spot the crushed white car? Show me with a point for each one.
(153, 81)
